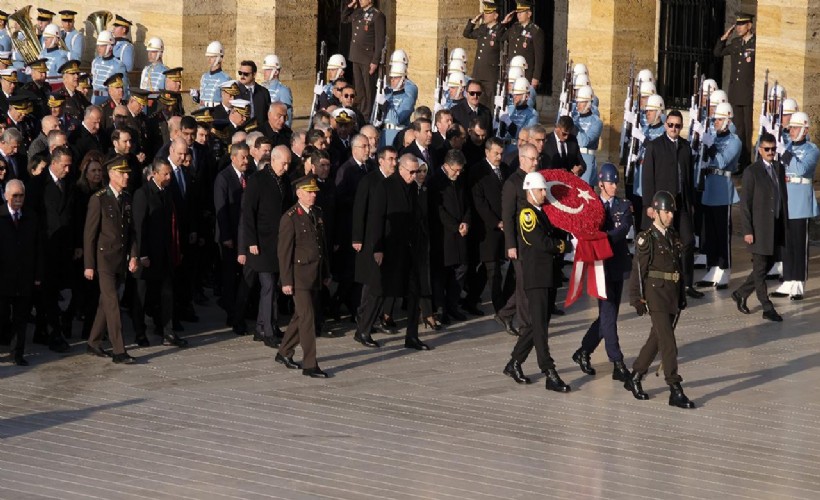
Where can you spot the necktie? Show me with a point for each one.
(13, 164)
(16, 218)
(59, 183)
(346, 143)
(563, 149)
(243, 182)
(181, 181)
(426, 156)
(497, 172)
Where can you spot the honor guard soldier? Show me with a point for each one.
(279, 92)
(73, 39)
(5, 38)
(208, 95)
(116, 97)
(109, 249)
(367, 40)
(579, 81)
(56, 105)
(153, 75)
(526, 39)
(617, 224)
(589, 128)
(719, 194)
(487, 32)
(398, 105)
(19, 117)
(52, 52)
(123, 49)
(519, 114)
(410, 88)
(656, 288)
(38, 87)
(456, 83)
(539, 248)
(741, 50)
(75, 101)
(646, 89)
(800, 161)
(513, 74)
(304, 268)
(655, 118)
(8, 87)
(336, 66)
(104, 66)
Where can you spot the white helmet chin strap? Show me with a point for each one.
(802, 134)
(725, 126)
(217, 63)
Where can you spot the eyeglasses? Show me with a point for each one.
(531, 158)
(475, 93)
(674, 125)
(349, 96)
(243, 73)
(768, 150)
(411, 172)
(338, 89)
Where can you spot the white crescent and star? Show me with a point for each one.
(582, 193)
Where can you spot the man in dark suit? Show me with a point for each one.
(764, 211)
(229, 187)
(667, 166)
(561, 149)
(108, 249)
(21, 266)
(423, 128)
(275, 128)
(257, 95)
(87, 137)
(158, 249)
(11, 150)
(367, 41)
(266, 197)
(470, 108)
(344, 130)
(443, 120)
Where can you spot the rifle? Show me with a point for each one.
(694, 108)
(636, 134)
(778, 125)
(500, 101)
(705, 140)
(377, 115)
(629, 120)
(319, 81)
(567, 90)
(439, 96)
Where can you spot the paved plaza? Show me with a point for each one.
(221, 420)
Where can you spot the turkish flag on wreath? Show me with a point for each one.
(573, 206)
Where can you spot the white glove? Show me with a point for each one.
(563, 97)
(381, 99)
(318, 89)
(194, 93)
(505, 118)
(697, 127)
(627, 105)
(498, 102)
(637, 133)
(781, 148)
(437, 107)
(631, 118)
(693, 113)
(707, 139)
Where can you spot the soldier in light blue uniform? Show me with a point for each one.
(410, 88)
(653, 128)
(579, 81)
(589, 127)
(105, 65)
(209, 91)
(123, 49)
(519, 115)
(456, 83)
(513, 74)
(800, 160)
(5, 38)
(719, 194)
(72, 38)
(153, 75)
(398, 105)
(717, 97)
(52, 53)
(279, 92)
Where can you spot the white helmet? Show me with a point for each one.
(336, 61)
(456, 79)
(777, 92)
(514, 74)
(154, 45)
(799, 119)
(519, 62)
(458, 54)
(215, 49)
(398, 69)
(724, 110)
(655, 102)
(645, 75)
(105, 38)
(399, 55)
(718, 97)
(271, 61)
(648, 89)
(579, 81)
(521, 86)
(790, 106)
(709, 86)
(584, 94)
(52, 30)
(457, 65)
(534, 180)
(580, 69)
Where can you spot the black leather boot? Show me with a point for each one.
(582, 358)
(633, 383)
(619, 372)
(554, 382)
(514, 371)
(678, 398)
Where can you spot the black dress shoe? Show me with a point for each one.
(20, 361)
(315, 373)
(366, 341)
(383, 326)
(554, 382)
(174, 339)
(705, 284)
(514, 371)
(473, 309)
(258, 337)
(797, 296)
(772, 277)
(722, 287)
(678, 398)
(58, 344)
(287, 361)
(507, 324)
(457, 315)
(273, 342)
(124, 359)
(582, 358)
(778, 295)
(772, 315)
(692, 292)
(142, 340)
(556, 312)
(633, 383)
(619, 372)
(416, 344)
(97, 351)
(741, 303)
(388, 321)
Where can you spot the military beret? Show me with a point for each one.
(307, 183)
(70, 67)
(118, 163)
(121, 21)
(114, 80)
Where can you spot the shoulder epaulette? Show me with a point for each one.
(101, 192)
(643, 238)
(291, 211)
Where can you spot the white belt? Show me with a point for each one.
(390, 126)
(798, 180)
(207, 104)
(101, 93)
(717, 171)
(588, 151)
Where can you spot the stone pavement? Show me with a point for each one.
(222, 420)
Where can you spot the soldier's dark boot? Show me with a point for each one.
(678, 398)
(619, 372)
(582, 358)
(554, 382)
(514, 371)
(633, 383)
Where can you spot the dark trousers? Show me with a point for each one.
(743, 123)
(157, 297)
(13, 320)
(267, 316)
(108, 313)
(447, 285)
(536, 336)
(717, 221)
(605, 325)
(487, 272)
(756, 282)
(302, 327)
(661, 338)
(796, 251)
(412, 300)
(235, 288)
(517, 304)
(684, 225)
(365, 84)
(369, 309)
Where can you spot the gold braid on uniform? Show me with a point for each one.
(527, 221)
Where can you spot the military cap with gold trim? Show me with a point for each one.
(67, 15)
(231, 87)
(55, 100)
(121, 21)
(241, 106)
(203, 116)
(118, 163)
(71, 67)
(523, 5)
(744, 17)
(344, 115)
(22, 103)
(5, 57)
(85, 81)
(168, 98)
(9, 75)
(307, 183)
(173, 74)
(39, 65)
(44, 14)
(141, 96)
(115, 81)
(489, 6)
(4, 16)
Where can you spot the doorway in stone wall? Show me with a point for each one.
(543, 15)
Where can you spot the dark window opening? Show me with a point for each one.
(543, 15)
